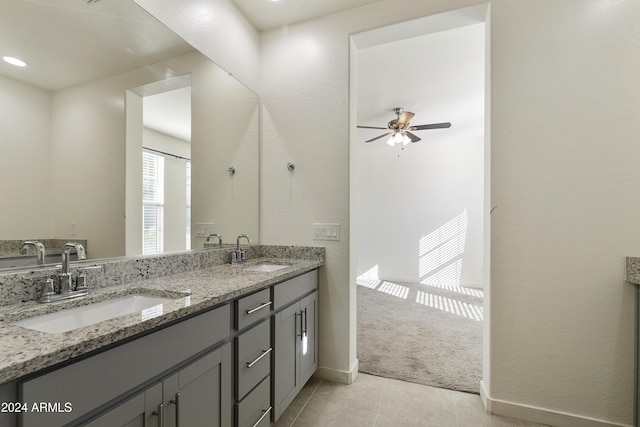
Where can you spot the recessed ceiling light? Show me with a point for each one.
(14, 61)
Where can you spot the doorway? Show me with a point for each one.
(418, 210)
(158, 165)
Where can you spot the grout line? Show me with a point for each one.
(305, 403)
(384, 391)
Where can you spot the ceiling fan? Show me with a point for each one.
(400, 130)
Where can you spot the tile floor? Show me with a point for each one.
(381, 402)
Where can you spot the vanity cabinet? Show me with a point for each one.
(253, 360)
(138, 411)
(192, 397)
(89, 386)
(200, 394)
(295, 338)
(238, 364)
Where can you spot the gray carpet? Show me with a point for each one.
(422, 334)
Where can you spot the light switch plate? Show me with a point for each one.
(326, 231)
(203, 229)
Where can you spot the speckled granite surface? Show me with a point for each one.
(198, 280)
(632, 273)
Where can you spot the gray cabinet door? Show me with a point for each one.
(309, 342)
(286, 330)
(200, 394)
(139, 411)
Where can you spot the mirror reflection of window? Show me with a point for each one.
(166, 133)
(152, 203)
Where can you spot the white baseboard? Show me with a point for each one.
(540, 415)
(336, 375)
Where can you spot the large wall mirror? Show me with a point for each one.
(73, 130)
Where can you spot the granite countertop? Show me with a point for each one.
(24, 351)
(632, 270)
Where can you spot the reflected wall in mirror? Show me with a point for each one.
(65, 166)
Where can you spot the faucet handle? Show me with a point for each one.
(81, 282)
(48, 289)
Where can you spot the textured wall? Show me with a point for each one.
(25, 162)
(565, 122)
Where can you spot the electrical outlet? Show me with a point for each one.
(204, 229)
(326, 231)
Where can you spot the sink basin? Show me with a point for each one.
(266, 268)
(78, 317)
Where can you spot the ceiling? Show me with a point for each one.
(70, 42)
(269, 14)
(169, 113)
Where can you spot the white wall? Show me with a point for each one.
(565, 126)
(418, 213)
(25, 120)
(564, 122)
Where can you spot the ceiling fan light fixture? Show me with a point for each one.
(398, 137)
(390, 141)
(405, 139)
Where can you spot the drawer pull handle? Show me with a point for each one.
(160, 414)
(265, 413)
(260, 307)
(176, 402)
(264, 353)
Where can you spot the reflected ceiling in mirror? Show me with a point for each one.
(62, 123)
(68, 42)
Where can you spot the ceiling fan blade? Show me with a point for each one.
(412, 137)
(431, 126)
(378, 137)
(405, 118)
(371, 127)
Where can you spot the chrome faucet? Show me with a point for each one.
(39, 250)
(239, 255)
(215, 235)
(67, 287)
(66, 282)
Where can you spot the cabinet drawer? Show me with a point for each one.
(254, 410)
(253, 351)
(252, 308)
(287, 292)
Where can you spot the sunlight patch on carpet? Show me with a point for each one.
(463, 309)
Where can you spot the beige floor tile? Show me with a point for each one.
(365, 393)
(320, 413)
(386, 421)
(427, 405)
(380, 402)
(294, 409)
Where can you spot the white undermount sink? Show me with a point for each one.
(266, 268)
(78, 317)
